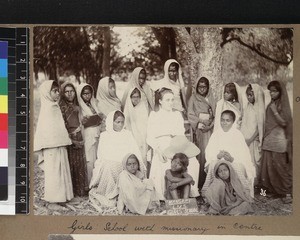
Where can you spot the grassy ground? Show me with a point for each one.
(262, 205)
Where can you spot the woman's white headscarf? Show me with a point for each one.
(106, 103)
(134, 83)
(50, 130)
(85, 110)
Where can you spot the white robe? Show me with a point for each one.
(162, 126)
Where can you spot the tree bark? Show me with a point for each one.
(204, 55)
(106, 52)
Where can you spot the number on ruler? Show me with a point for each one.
(22, 165)
(22, 183)
(22, 78)
(23, 95)
(23, 148)
(22, 60)
(22, 112)
(22, 199)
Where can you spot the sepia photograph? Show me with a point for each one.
(162, 121)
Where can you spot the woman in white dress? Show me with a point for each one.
(50, 141)
(163, 125)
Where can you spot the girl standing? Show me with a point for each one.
(69, 107)
(277, 144)
(50, 140)
(138, 80)
(253, 124)
(136, 119)
(201, 111)
(91, 118)
(231, 100)
(107, 97)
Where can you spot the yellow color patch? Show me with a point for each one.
(3, 104)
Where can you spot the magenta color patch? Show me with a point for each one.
(3, 139)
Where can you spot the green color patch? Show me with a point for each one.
(3, 86)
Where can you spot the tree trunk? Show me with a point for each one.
(106, 52)
(204, 55)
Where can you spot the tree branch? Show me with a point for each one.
(252, 48)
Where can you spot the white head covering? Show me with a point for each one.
(50, 130)
(134, 83)
(106, 102)
(85, 110)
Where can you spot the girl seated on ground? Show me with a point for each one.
(178, 181)
(226, 195)
(136, 193)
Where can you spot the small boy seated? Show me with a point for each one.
(178, 181)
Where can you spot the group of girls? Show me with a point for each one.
(130, 153)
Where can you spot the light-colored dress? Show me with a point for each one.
(90, 134)
(50, 141)
(234, 143)
(136, 120)
(162, 126)
(113, 146)
(228, 198)
(135, 191)
(253, 122)
(223, 105)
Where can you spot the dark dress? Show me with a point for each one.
(76, 152)
(276, 171)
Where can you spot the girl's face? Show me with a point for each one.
(132, 165)
(167, 101)
(118, 124)
(223, 172)
(176, 165)
(173, 72)
(142, 78)
(112, 89)
(69, 93)
(86, 95)
(226, 122)
(54, 94)
(250, 96)
(202, 89)
(274, 93)
(135, 99)
(228, 96)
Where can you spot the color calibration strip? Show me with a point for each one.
(8, 35)
(14, 100)
(3, 121)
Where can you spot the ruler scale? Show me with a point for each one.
(22, 121)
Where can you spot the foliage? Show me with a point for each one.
(79, 51)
